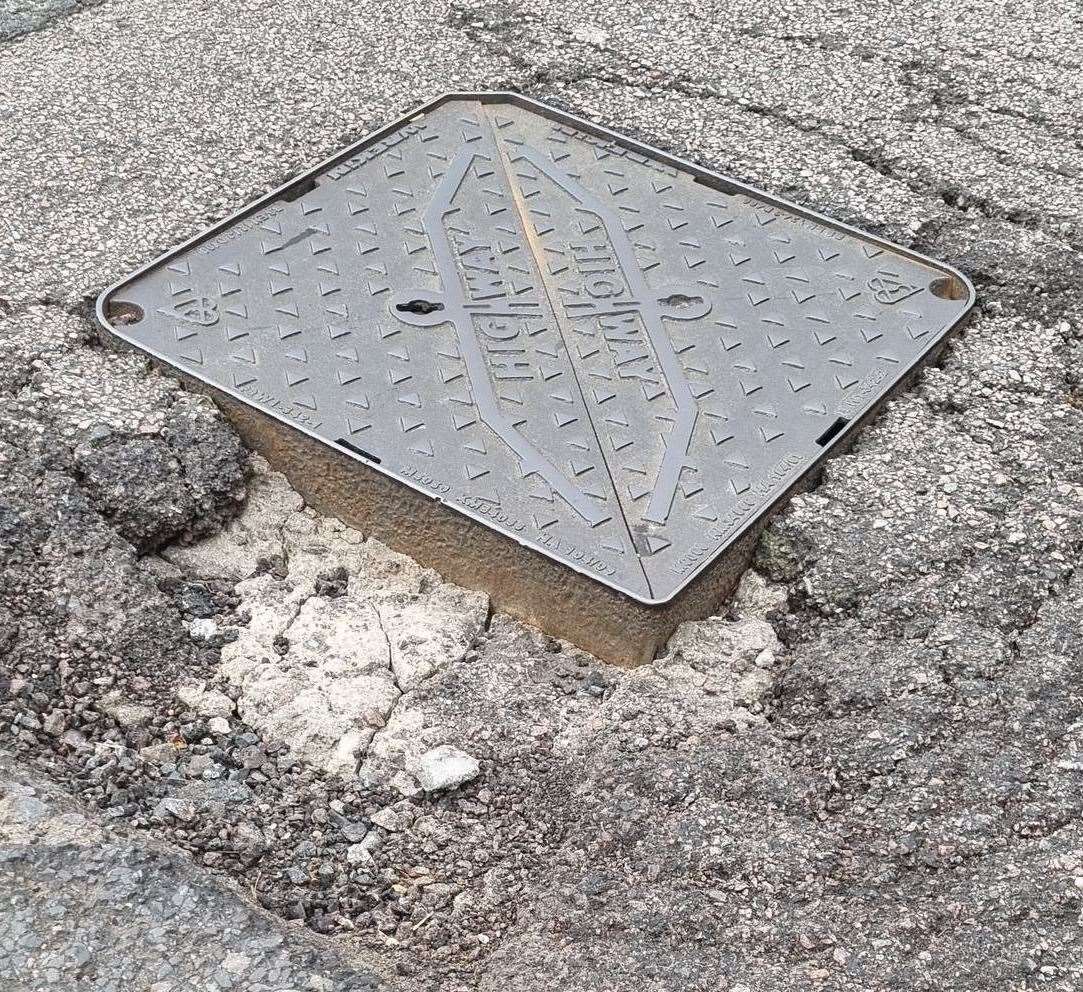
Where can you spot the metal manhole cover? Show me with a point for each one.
(611, 356)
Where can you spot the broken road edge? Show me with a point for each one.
(470, 549)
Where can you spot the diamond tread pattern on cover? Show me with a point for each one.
(609, 356)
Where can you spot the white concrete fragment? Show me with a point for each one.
(724, 666)
(426, 632)
(393, 819)
(206, 702)
(254, 534)
(126, 713)
(320, 681)
(445, 767)
(406, 785)
(203, 631)
(756, 597)
(334, 633)
(358, 854)
(29, 818)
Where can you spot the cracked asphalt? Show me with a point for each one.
(219, 709)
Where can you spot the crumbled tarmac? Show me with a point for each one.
(19, 17)
(85, 907)
(866, 775)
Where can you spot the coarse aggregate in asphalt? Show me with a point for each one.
(19, 17)
(83, 908)
(866, 774)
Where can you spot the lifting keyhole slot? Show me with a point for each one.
(423, 307)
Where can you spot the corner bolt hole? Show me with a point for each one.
(120, 313)
(948, 288)
(419, 306)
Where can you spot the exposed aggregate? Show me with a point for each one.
(866, 775)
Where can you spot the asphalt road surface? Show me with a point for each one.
(866, 775)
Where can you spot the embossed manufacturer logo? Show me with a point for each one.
(888, 288)
(199, 310)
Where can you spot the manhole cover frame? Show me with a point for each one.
(708, 177)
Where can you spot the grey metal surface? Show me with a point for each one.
(609, 355)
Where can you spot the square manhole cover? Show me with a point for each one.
(609, 356)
